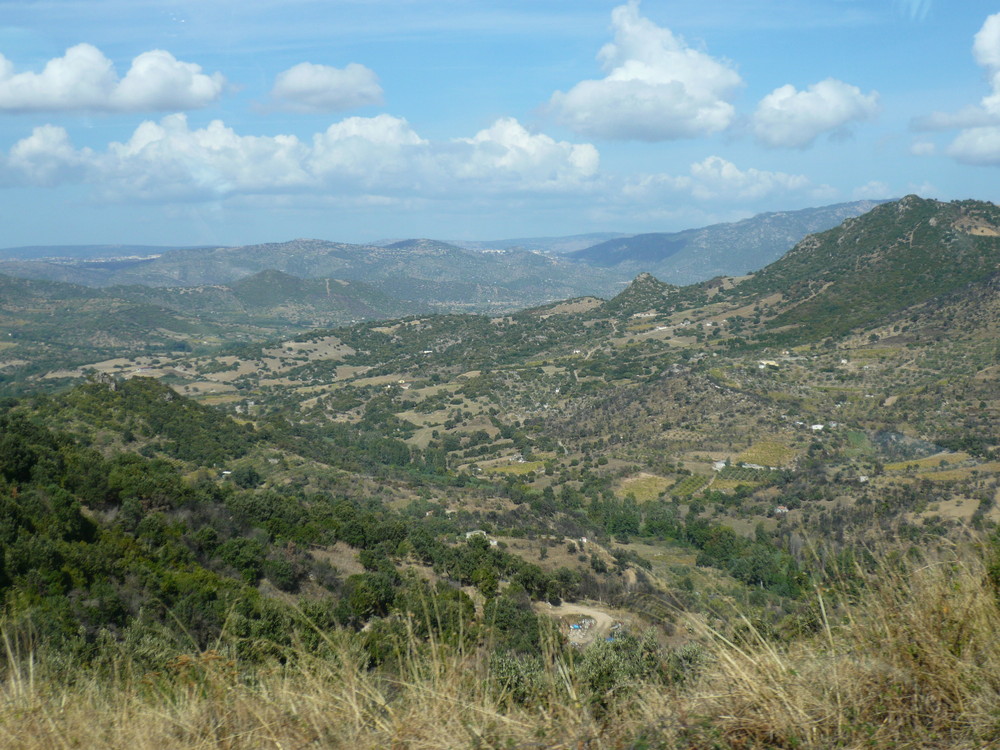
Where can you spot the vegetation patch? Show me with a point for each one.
(516, 468)
(768, 453)
(941, 459)
(644, 486)
(689, 485)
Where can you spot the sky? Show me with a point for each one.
(173, 122)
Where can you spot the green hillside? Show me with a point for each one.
(900, 254)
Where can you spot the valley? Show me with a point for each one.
(272, 467)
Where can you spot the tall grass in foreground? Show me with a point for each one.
(912, 661)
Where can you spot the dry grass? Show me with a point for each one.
(519, 468)
(915, 663)
(911, 660)
(439, 701)
(930, 462)
(767, 453)
(644, 487)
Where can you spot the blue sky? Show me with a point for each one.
(218, 122)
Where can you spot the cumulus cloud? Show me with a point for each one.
(85, 80)
(383, 155)
(47, 158)
(715, 178)
(986, 51)
(873, 190)
(656, 86)
(979, 141)
(791, 118)
(506, 151)
(986, 43)
(321, 88)
(977, 146)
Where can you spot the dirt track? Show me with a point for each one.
(603, 622)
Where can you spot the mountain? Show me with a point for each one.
(423, 271)
(82, 252)
(731, 249)
(898, 255)
(275, 298)
(557, 245)
(646, 292)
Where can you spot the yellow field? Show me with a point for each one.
(223, 398)
(952, 475)
(643, 487)
(767, 453)
(928, 463)
(525, 468)
(645, 326)
(7, 345)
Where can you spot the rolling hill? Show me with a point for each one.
(421, 271)
(731, 249)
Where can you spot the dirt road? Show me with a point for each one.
(603, 622)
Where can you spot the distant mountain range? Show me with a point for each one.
(732, 249)
(421, 271)
(487, 276)
(83, 252)
(557, 245)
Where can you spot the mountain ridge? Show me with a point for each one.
(728, 249)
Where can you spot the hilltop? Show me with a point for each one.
(731, 249)
(900, 254)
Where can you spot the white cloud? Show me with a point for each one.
(169, 160)
(979, 142)
(873, 190)
(977, 146)
(379, 156)
(923, 148)
(46, 158)
(506, 152)
(657, 87)
(85, 80)
(986, 43)
(321, 88)
(794, 119)
(973, 116)
(986, 51)
(715, 178)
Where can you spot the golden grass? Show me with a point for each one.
(437, 700)
(526, 468)
(767, 453)
(910, 660)
(952, 475)
(644, 487)
(928, 463)
(915, 663)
